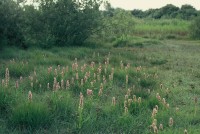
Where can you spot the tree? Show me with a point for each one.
(10, 24)
(137, 13)
(187, 12)
(69, 22)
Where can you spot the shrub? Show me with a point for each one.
(195, 28)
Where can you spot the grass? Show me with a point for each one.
(55, 109)
(162, 29)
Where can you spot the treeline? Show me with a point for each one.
(47, 23)
(169, 11)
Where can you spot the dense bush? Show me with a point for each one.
(11, 32)
(60, 22)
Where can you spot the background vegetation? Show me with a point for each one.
(110, 71)
(48, 23)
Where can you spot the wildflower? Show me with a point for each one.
(125, 110)
(104, 79)
(155, 121)
(149, 91)
(121, 65)
(161, 126)
(7, 77)
(156, 106)
(125, 103)
(21, 78)
(177, 109)
(167, 105)
(75, 60)
(134, 98)
(40, 86)
(67, 84)
(62, 84)
(100, 92)
(95, 75)
(164, 101)
(2, 82)
(113, 101)
(155, 129)
(32, 84)
(58, 67)
(54, 83)
(17, 84)
(35, 74)
(81, 101)
(105, 71)
(58, 86)
(92, 65)
(129, 92)
(48, 86)
(139, 100)
(82, 82)
(85, 78)
(98, 77)
(126, 79)
(49, 70)
(55, 72)
(110, 77)
(77, 76)
(158, 96)
(126, 97)
(185, 131)
(62, 74)
(63, 70)
(107, 60)
(89, 92)
(30, 96)
(154, 112)
(112, 70)
(171, 121)
(92, 84)
(130, 101)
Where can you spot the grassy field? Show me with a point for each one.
(162, 29)
(110, 89)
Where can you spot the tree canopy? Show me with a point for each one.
(51, 22)
(169, 11)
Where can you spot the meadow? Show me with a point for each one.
(148, 88)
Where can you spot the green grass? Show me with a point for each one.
(173, 63)
(162, 29)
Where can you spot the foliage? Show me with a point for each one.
(10, 24)
(48, 23)
(169, 11)
(195, 28)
